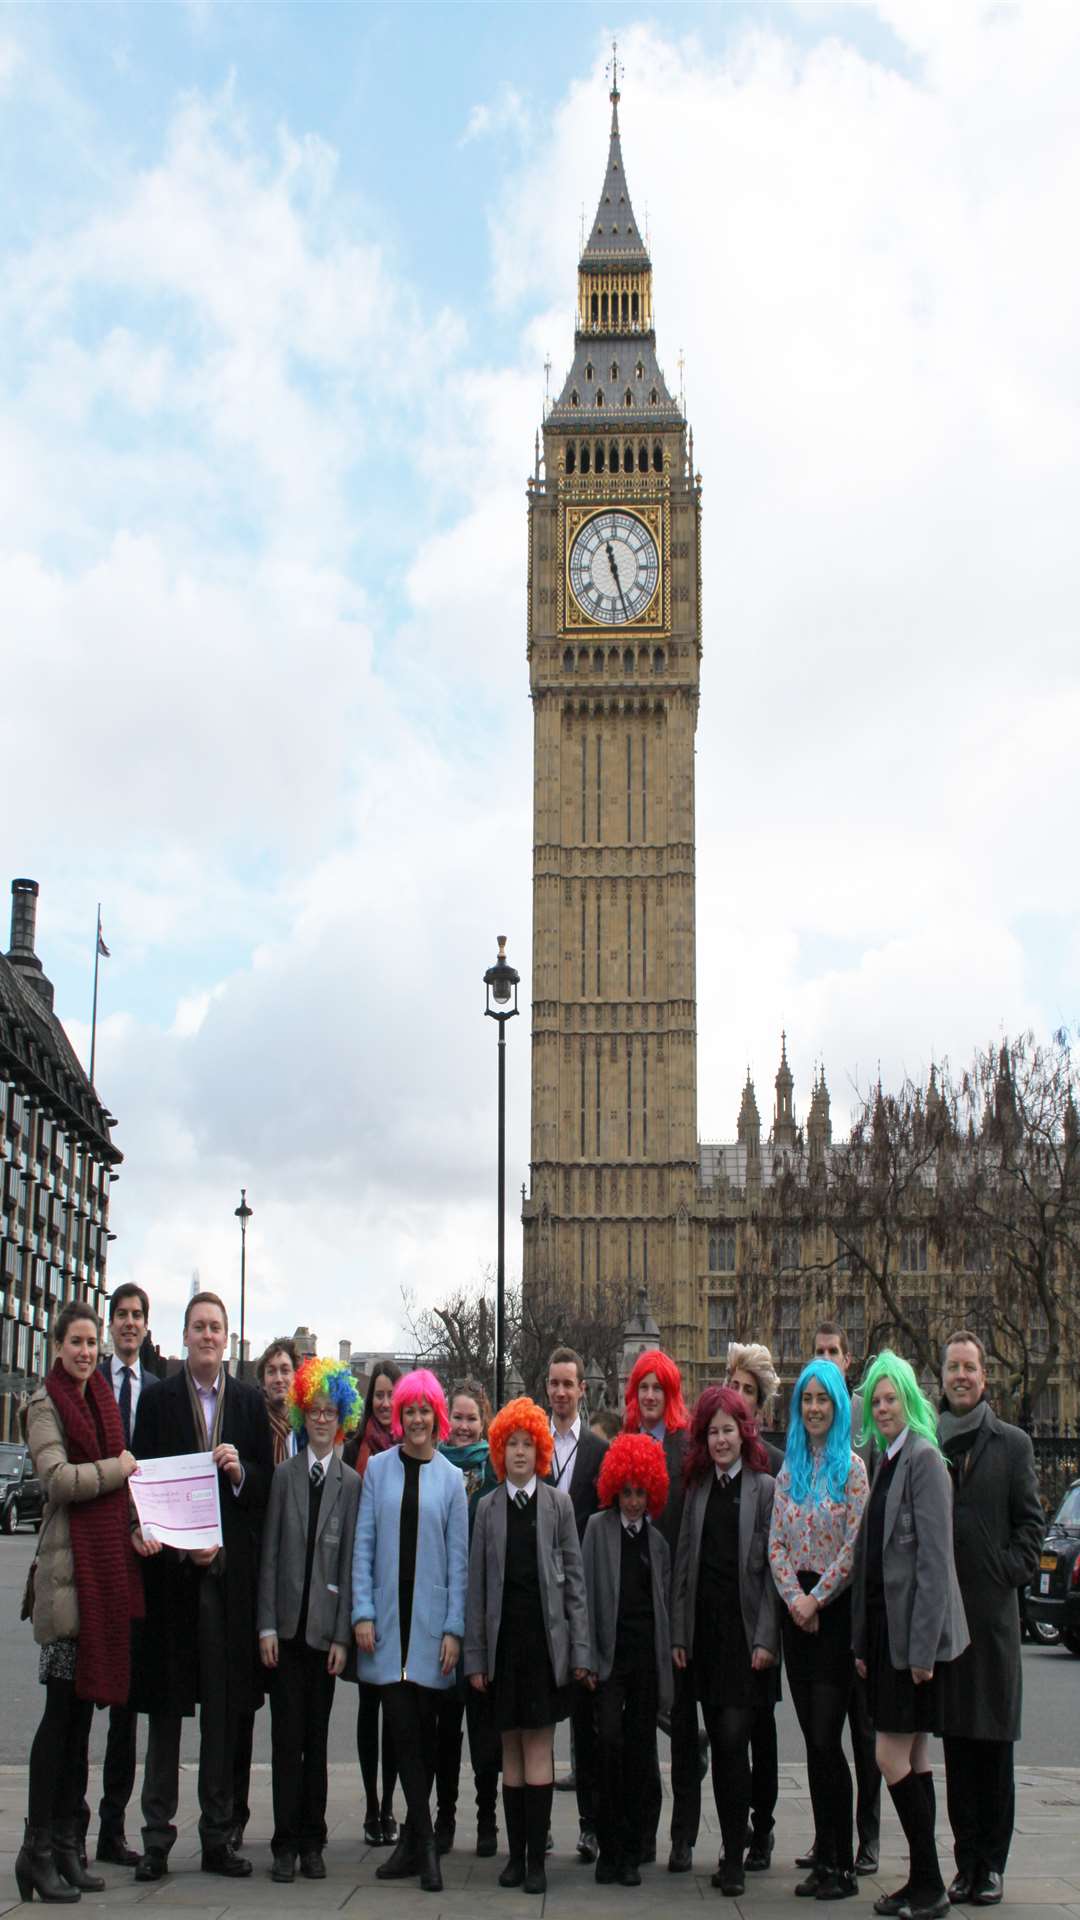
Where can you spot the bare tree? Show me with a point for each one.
(457, 1336)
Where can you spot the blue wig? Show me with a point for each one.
(836, 1453)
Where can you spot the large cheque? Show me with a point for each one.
(177, 1500)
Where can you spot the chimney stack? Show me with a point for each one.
(24, 899)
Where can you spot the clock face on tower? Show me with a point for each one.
(614, 567)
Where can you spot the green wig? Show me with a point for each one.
(918, 1413)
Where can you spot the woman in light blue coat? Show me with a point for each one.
(410, 1572)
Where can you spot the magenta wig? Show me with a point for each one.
(675, 1414)
(421, 1384)
(712, 1401)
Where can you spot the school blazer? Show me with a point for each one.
(602, 1555)
(923, 1607)
(284, 1553)
(562, 1582)
(442, 1548)
(758, 1596)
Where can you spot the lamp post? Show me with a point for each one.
(501, 983)
(243, 1214)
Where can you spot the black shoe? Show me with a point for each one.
(153, 1865)
(837, 1885)
(866, 1860)
(647, 1856)
(513, 1874)
(681, 1857)
(759, 1853)
(114, 1848)
(283, 1870)
(225, 1860)
(390, 1832)
(893, 1903)
(445, 1829)
(607, 1872)
(402, 1863)
(312, 1864)
(629, 1875)
(535, 1880)
(924, 1906)
(373, 1832)
(729, 1879)
(807, 1859)
(587, 1845)
(807, 1889)
(988, 1889)
(428, 1860)
(568, 1783)
(960, 1889)
(487, 1839)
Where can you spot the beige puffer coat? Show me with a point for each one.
(56, 1605)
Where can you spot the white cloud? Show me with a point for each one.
(507, 113)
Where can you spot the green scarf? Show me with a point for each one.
(474, 1461)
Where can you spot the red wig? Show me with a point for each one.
(521, 1416)
(698, 1459)
(633, 1460)
(419, 1385)
(675, 1414)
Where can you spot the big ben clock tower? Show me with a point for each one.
(614, 647)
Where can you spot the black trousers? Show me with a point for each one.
(477, 1711)
(729, 1730)
(867, 1773)
(412, 1717)
(245, 1739)
(625, 1719)
(685, 1767)
(981, 1794)
(59, 1756)
(764, 1768)
(217, 1740)
(118, 1771)
(301, 1699)
(368, 1708)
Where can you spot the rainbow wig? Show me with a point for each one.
(420, 1384)
(697, 1460)
(675, 1414)
(918, 1413)
(324, 1380)
(633, 1460)
(522, 1416)
(798, 1456)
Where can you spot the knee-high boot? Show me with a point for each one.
(926, 1898)
(537, 1821)
(513, 1874)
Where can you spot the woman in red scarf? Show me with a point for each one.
(88, 1588)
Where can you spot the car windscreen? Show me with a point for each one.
(10, 1460)
(1068, 1514)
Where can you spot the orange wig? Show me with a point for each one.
(521, 1416)
(633, 1460)
(667, 1373)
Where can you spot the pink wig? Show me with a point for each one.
(419, 1385)
(675, 1414)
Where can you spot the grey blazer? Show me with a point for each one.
(923, 1606)
(758, 1597)
(562, 1582)
(603, 1571)
(284, 1551)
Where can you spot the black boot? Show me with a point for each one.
(68, 1854)
(35, 1868)
(537, 1820)
(487, 1794)
(513, 1874)
(427, 1858)
(403, 1862)
(926, 1896)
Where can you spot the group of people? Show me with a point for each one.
(502, 1573)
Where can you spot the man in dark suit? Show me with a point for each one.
(129, 1316)
(997, 1532)
(198, 1643)
(575, 1465)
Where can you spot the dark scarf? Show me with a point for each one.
(108, 1580)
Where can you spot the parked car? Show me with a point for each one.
(20, 1489)
(1053, 1598)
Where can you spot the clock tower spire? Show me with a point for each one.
(614, 648)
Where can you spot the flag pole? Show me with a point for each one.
(93, 1017)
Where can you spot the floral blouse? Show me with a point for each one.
(816, 1539)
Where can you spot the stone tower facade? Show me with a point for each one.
(614, 648)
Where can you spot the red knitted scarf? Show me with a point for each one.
(108, 1580)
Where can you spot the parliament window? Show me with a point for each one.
(721, 1327)
(721, 1249)
(788, 1330)
(913, 1250)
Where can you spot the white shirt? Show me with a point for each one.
(566, 1445)
(894, 1447)
(310, 1459)
(528, 1489)
(636, 1525)
(116, 1380)
(659, 1432)
(735, 1468)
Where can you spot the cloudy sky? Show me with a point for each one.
(277, 284)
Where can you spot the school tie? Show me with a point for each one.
(125, 1403)
(317, 1475)
(521, 1498)
(633, 1531)
(725, 1479)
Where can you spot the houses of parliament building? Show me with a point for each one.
(623, 1195)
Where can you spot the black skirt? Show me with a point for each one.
(825, 1655)
(524, 1687)
(895, 1704)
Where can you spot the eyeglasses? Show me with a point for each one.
(322, 1413)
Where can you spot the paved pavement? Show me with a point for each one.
(1043, 1881)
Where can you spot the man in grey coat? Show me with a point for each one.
(997, 1530)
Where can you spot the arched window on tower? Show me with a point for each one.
(594, 309)
(628, 458)
(628, 398)
(598, 660)
(614, 369)
(600, 453)
(571, 457)
(603, 309)
(658, 660)
(584, 456)
(588, 369)
(574, 397)
(613, 456)
(626, 309)
(633, 309)
(657, 457)
(654, 398)
(599, 396)
(628, 659)
(642, 457)
(639, 370)
(568, 660)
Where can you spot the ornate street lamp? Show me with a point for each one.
(501, 983)
(243, 1214)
